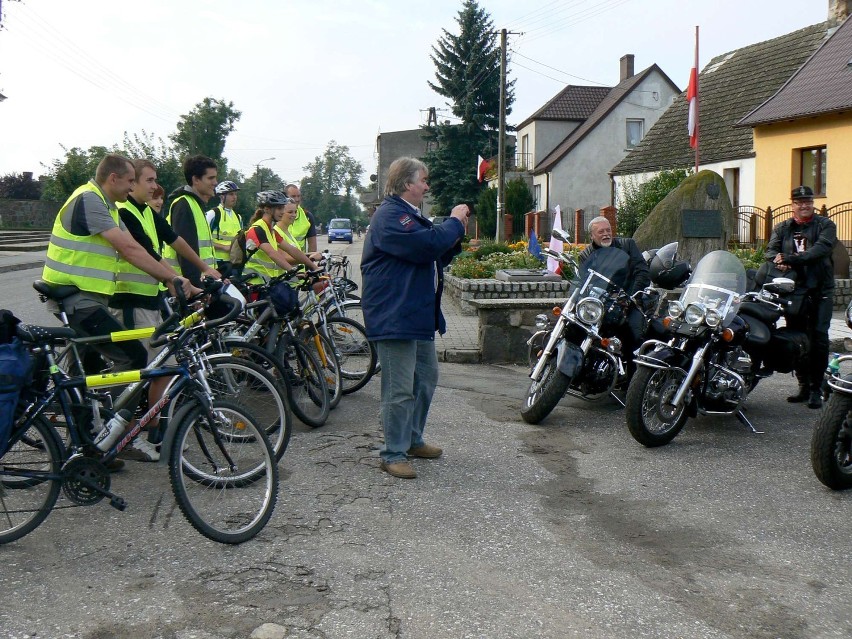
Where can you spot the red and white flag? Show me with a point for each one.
(692, 98)
(482, 166)
(554, 266)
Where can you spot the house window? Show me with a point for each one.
(813, 169)
(537, 194)
(635, 132)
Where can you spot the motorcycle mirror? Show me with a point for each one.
(559, 234)
(781, 285)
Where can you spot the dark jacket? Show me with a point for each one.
(814, 267)
(183, 223)
(403, 256)
(640, 276)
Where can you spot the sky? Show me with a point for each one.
(305, 72)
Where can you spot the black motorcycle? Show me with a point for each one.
(577, 351)
(831, 442)
(721, 342)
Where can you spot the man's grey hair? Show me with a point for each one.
(402, 172)
(291, 186)
(596, 220)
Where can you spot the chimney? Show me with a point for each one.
(838, 11)
(626, 67)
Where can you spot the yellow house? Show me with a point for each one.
(803, 133)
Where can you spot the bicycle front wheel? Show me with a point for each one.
(310, 399)
(248, 384)
(29, 480)
(223, 472)
(354, 351)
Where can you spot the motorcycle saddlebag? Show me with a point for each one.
(785, 349)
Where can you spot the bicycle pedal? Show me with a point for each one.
(118, 503)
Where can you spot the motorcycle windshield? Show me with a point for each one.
(664, 258)
(605, 270)
(718, 283)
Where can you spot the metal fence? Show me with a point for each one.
(754, 224)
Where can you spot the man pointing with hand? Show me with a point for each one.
(402, 271)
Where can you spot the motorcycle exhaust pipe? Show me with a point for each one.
(555, 334)
(697, 362)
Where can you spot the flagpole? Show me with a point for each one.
(697, 103)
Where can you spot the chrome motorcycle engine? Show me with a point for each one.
(727, 387)
(598, 373)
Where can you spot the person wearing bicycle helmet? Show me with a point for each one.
(268, 257)
(225, 224)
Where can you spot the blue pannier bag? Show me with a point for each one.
(16, 368)
(284, 298)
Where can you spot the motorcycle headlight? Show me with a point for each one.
(589, 310)
(694, 314)
(541, 321)
(675, 309)
(713, 318)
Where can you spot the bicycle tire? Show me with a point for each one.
(308, 389)
(351, 308)
(26, 501)
(246, 383)
(356, 355)
(225, 504)
(259, 356)
(331, 368)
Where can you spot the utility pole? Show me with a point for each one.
(259, 179)
(501, 139)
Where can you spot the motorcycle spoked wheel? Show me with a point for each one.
(831, 443)
(544, 395)
(650, 419)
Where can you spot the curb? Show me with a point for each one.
(7, 268)
(460, 356)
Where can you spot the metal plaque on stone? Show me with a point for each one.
(701, 223)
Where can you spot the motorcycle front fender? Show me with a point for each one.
(569, 358)
(665, 356)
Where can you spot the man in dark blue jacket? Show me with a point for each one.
(402, 271)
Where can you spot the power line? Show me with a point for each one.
(577, 18)
(554, 68)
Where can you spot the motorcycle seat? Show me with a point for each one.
(760, 311)
(758, 332)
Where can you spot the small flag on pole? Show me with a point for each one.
(482, 166)
(692, 98)
(553, 265)
(534, 247)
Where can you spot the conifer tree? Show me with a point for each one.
(467, 73)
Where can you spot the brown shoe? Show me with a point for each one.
(426, 451)
(402, 469)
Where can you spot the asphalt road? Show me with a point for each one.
(567, 529)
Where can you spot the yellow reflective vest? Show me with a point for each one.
(229, 226)
(299, 229)
(88, 262)
(130, 279)
(202, 230)
(260, 262)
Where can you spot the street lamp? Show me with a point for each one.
(259, 181)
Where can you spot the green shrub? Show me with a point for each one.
(636, 201)
(750, 257)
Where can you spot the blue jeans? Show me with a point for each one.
(409, 378)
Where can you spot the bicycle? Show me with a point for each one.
(216, 453)
(250, 381)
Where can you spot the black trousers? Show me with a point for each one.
(96, 320)
(814, 320)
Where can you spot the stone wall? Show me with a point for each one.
(842, 294)
(28, 214)
(465, 291)
(505, 325)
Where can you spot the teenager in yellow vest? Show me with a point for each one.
(270, 257)
(224, 223)
(186, 215)
(304, 226)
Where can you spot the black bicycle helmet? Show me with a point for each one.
(273, 198)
